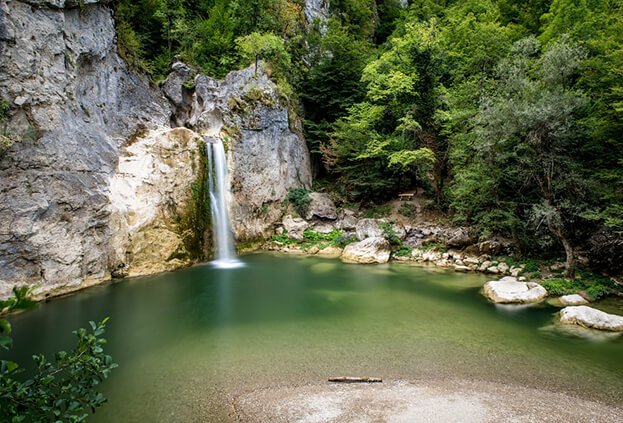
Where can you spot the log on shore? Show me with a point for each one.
(348, 379)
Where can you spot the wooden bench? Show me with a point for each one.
(407, 196)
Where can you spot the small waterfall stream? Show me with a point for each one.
(224, 252)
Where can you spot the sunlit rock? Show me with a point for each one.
(591, 318)
(370, 250)
(573, 300)
(509, 290)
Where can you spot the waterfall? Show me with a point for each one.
(224, 253)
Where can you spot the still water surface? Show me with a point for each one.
(187, 342)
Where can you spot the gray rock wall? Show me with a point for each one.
(73, 105)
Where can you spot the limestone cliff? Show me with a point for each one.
(267, 154)
(94, 177)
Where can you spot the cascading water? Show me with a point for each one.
(224, 253)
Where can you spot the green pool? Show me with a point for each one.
(188, 342)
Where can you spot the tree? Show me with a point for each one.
(63, 389)
(525, 143)
(269, 47)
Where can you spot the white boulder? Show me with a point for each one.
(589, 317)
(573, 300)
(509, 290)
(370, 250)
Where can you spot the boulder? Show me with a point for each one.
(323, 227)
(370, 250)
(509, 290)
(347, 221)
(484, 266)
(573, 300)
(330, 252)
(459, 237)
(493, 269)
(368, 228)
(503, 267)
(463, 269)
(589, 317)
(321, 206)
(295, 227)
(469, 261)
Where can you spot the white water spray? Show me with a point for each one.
(224, 253)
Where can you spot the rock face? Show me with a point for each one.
(267, 155)
(86, 131)
(74, 104)
(509, 290)
(316, 9)
(591, 318)
(151, 203)
(370, 250)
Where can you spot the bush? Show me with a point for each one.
(407, 210)
(343, 240)
(403, 251)
(299, 198)
(390, 233)
(283, 239)
(62, 389)
(591, 285)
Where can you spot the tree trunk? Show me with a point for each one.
(570, 263)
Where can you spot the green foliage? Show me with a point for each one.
(299, 198)
(283, 238)
(434, 246)
(390, 233)
(255, 47)
(592, 286)
(343, 240)
(377, 212)
(403, 251)
(62, 389)
(407, 210)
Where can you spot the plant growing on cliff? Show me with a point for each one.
(299, 198)
(63, 389)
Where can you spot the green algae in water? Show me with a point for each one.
(188, 341)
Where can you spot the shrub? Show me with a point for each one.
(299, 198)
(403, 251)
(593, 286)
(343, 240)
(390, 233)
(62, 389)
(407, 210)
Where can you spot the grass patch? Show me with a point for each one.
(591, 285)
(283, 239)
(436, 246)
(379, 211)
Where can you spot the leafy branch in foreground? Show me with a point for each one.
(62, 389)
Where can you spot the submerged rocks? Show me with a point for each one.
(591, 318)
(509, 290)
(370, 250)
(573, 300)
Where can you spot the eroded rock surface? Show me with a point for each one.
(74, 104)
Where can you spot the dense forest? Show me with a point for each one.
(509, 114)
